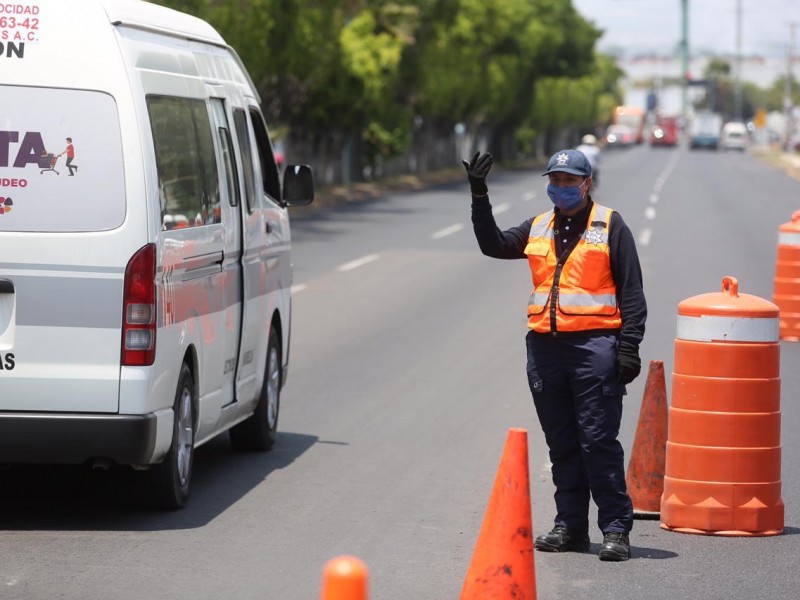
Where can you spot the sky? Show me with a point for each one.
(655, 25)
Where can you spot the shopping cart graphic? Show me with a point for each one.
(47, 162)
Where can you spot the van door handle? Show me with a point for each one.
(6, 287)
(269, 226)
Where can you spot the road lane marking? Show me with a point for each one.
(298, 288)
(528, 196)
(359, 262)
(650, 211)
(447, 231)
(501, 208)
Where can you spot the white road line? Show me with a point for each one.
(650, 211)
(501, 208)
(447, 231)
(528, 196)
(298, 288)
(359, 262)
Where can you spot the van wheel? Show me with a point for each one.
(166, 485)
(258, 432)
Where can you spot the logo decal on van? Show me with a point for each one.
(5, 205)
(12, 50)
(7, 362)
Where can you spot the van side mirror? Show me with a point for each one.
(298, 185)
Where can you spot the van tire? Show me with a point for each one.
(166, 485)
(258, 432)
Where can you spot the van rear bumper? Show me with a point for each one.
(74, 438)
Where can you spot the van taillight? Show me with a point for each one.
(139, 309)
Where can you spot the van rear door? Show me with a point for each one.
(63, 250)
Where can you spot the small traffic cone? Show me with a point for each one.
(502, 565)
(645, 476)
(345, 578)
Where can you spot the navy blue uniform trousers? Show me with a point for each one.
(578, 400)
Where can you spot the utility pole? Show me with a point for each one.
(737, 98)
(684, 57)
(787, 98)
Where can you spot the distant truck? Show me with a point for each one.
(632, 117)
(664, 132)
(704, 130)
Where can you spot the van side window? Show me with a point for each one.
(242, 133)
(269, 170)
(231, 180)
(188, 181)
(230, 170)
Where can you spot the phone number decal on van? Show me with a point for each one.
(19, 23)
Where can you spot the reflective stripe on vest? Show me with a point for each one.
(584, 294)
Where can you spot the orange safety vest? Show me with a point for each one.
(578, 294)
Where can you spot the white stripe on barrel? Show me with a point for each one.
(708, 328)
(789, 238)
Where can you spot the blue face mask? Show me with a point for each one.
(565, 198)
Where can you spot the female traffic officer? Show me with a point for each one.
(586, 318)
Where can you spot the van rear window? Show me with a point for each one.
(61, 164)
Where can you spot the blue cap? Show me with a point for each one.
(570, 161)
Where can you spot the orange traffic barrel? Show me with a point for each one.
(723, 458)
(787, 279)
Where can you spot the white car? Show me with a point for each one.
(733, 136)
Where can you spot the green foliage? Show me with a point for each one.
(369, 67)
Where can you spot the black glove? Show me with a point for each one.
(628, 363)
(477, 170)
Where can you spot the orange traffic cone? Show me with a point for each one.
(645, 476)
(344, 578)
(502, 566)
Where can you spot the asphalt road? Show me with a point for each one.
(407, 369)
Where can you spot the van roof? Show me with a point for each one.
(74, 33)
(153, 17)
(735, 125)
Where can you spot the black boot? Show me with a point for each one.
(616, 547)
(561, 539)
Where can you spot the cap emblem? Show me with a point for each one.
(563, 159)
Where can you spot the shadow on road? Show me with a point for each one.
(57, 497)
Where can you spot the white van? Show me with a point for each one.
(733, 136)
(144, 242)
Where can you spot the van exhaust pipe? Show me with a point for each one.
(101, 465)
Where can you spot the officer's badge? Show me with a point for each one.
(594, 236)
(563, 159)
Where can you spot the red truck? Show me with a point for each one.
(632, 117)
(664, 132)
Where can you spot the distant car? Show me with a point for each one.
(664, 132)
(704, 131)
(619, 136)
(733, 136)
